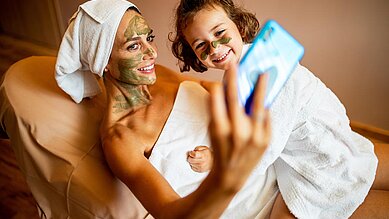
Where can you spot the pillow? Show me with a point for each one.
(56, 143)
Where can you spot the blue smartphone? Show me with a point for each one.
(273, 51)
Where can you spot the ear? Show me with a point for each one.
(108, 67)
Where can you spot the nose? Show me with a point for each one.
(213, 47)
(150, 52)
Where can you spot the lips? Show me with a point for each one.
(222, 57)
(147, 69)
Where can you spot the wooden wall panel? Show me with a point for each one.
(30, 20)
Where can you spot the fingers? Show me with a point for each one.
(235, 110)
(196, 161)
(199, 153)
(231, 126)
(199, 169)
(219, 127)
(199, 160)
(260, 116)
(201, 148)
(194, 155)
(219, 116)
(262, 131)
(233, 105)
(257, 107)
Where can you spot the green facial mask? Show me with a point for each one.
(221, 41)
(128, 67)
(130, 79)
(204, 55)
(137, 26)
(136, 98)
(214, 44)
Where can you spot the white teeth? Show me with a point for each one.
(222, 57)
(147, 68)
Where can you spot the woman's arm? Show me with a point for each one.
(128, 163)
(152, 190)
(238, 142)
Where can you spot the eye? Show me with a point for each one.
(220, 32)
(150, 38)
(133, 46)
(200, 45)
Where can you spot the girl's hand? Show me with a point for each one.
(200, 159)
(238, 140)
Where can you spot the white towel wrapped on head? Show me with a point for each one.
(86, 46)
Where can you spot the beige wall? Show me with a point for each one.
(346, 46)
(346, 41)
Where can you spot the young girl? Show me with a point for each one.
(323, 168)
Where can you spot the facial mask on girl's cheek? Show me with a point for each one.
(221, 41)
(214, 44)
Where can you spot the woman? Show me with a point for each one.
(139, 105)
(132, 107)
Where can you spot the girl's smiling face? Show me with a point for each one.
(133, 53)
(214, 38)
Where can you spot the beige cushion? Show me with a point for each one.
(56, 143)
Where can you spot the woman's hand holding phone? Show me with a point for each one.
(273, 51)
(238, 140)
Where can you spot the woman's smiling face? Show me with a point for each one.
(214, 38)
(134, 52)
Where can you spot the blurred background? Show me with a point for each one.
(346, 46)
(346, 42)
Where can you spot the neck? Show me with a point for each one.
(130, 98)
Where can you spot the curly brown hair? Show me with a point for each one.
(246, 22)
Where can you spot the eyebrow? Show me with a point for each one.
(138, 37)
(215, 27)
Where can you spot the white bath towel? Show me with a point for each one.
(86, 46)
(186, 128)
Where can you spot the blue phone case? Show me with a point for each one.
(273, 51)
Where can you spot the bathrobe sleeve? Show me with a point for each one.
(325, 169)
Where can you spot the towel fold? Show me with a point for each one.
(323, 168)
(182, 133)
(86, 46)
